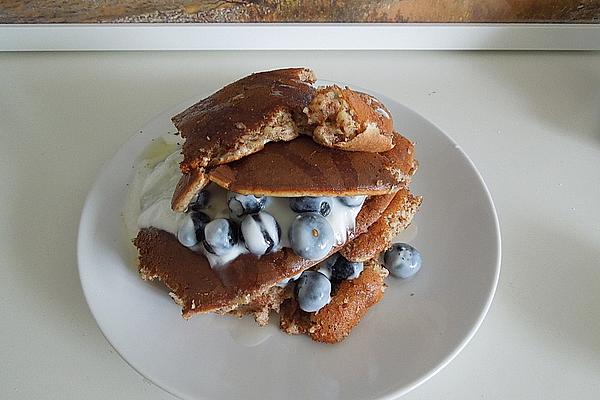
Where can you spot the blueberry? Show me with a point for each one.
(324, 266)
(201, 201)
(352, 201)
(191, 229)
(220, 236)
(311, 236)
(402, 260)
(186, 234)
(322, 205)
(200, 220)
(344, 269)
(313, 291)
(241, 204)
(261, 233)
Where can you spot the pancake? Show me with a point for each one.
(197, 287)
(396, 217)
(350, 120)
(189, 184)
(239, 120)
(368, 215)
(302, 167)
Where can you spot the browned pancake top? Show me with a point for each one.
(302, 167)
(219, 123)
(365, 108)
(190, 277)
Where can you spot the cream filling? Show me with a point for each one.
(148, 202)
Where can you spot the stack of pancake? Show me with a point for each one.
(274, 134)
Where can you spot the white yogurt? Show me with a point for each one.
(155, 197)
(216, 261)
(148, 201)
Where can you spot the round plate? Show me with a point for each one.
(418, 327)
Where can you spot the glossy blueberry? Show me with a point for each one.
(324, 266)
(402, 260)
(352, 201)
(344, 269)
(242, 204)
(220, 236)
(313, 291)
(186, 234)
(311, 236)
(321, 205)
(191, 229)
(200, 220)
(261, 233)
(201, 201)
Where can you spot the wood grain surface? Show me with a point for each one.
(181, 11)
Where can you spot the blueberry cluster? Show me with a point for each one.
(313, 288)
(248, 223)
(311, 235)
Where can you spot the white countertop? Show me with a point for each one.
(529, 121)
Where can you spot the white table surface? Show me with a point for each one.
(529, 121)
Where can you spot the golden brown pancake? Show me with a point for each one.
(302, 167)
(396, 217)
(197, 287)
(221, 127)
(239, 120)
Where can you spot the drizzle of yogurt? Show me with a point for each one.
(156, 173)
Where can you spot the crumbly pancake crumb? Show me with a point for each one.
(261, 306)
(350, 120)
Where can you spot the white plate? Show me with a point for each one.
(419, 326)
